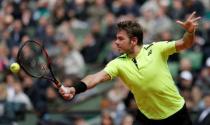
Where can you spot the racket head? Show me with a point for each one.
(34, 60)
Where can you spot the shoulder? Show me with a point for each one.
(155, 45)
(163, 42)
(147, 46)
(160, 44)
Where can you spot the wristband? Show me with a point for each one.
(80, 87)
(191, 32)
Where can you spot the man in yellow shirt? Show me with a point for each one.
(144, 69)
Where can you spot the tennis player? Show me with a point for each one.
(144, 69)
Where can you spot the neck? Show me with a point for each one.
(134, 52)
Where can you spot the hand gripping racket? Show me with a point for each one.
(34, 60)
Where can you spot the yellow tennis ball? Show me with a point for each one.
(15, 67)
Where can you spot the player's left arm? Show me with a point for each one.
(190, 26)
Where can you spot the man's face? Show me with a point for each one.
(123, 42)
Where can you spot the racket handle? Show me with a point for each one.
(57, 84)
(64, 89)
(60, 86)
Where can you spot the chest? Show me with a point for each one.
(141, 70)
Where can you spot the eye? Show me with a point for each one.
(120, 38)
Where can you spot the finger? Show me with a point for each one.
(64, 89)
(180, 22)
(61, 91)
(62, 94)
(191, 16)
(196, 19)
(67, 96)
(196, 25)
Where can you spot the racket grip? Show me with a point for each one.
(57, 84)
(64, 89)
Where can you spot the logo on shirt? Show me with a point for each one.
(146, 48)
(150, 52)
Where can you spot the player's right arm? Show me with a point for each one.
(87, 82)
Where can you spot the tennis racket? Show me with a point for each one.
(34, 60)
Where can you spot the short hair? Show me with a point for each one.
(132, 28)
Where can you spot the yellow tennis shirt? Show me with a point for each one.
(155, 92)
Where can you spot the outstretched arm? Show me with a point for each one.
(190, 26)
(88, 82)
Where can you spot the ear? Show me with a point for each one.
(134, 40)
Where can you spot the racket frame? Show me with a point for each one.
(51, 79)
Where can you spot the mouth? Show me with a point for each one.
(118, 48)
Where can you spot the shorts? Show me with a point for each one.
(181, 117)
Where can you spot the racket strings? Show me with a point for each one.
(33, 59)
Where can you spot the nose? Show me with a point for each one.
(116, 42)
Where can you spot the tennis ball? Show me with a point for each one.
(15, 67)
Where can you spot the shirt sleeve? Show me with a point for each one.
(112, 69)
(166, 48)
